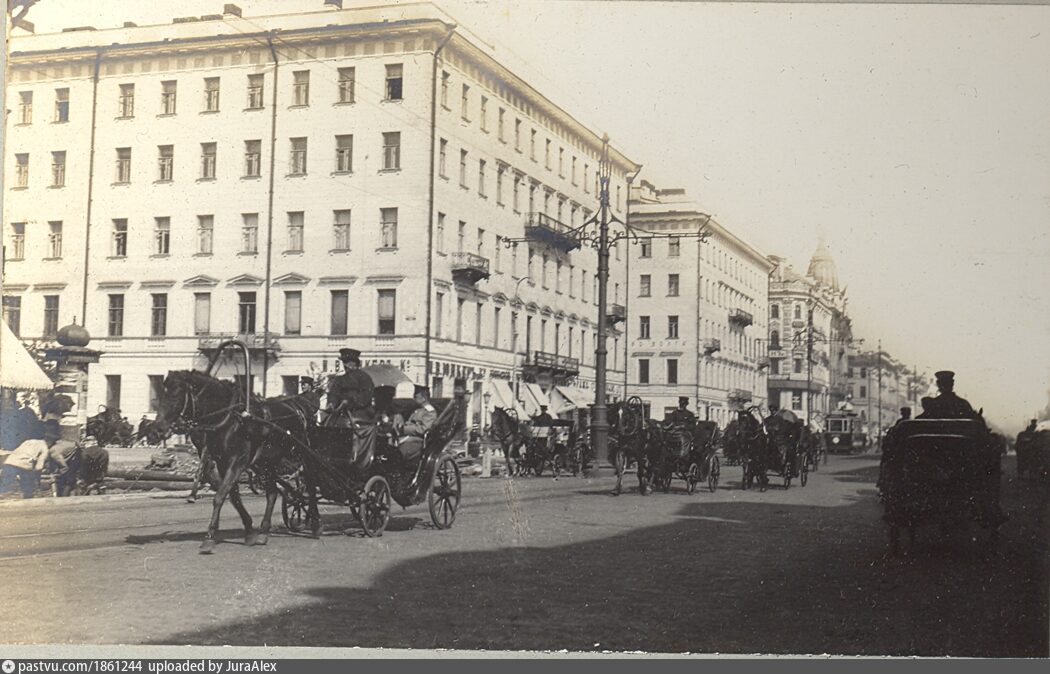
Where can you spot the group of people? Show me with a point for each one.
(355, 402)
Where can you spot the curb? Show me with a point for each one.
(45, 501)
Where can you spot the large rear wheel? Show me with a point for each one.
(293, 512)
(692, 477)
(445, 490)
(803, 477)
(713, 475)
(374, 511)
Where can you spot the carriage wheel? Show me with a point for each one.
(789, 472)
(748, 479)
(293, 512)
(803, 477)
(713, 474)
(692, 477)
(443, 497)
(375, 506)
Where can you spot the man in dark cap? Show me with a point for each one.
(947, 405)
(350, 394)
(682, 416)
(422, 420)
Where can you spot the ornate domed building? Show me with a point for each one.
(822, 267)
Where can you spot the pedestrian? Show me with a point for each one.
(23, 466)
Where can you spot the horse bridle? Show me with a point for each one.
(184, 423)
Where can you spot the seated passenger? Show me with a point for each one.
(411, 443)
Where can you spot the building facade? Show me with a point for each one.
(369, 178)
(809, 338)
(697, 310)
(880, 387)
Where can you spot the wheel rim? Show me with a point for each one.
(712, 477)
(375, 506)
(293, 512)
(694, 477)
(444, 494)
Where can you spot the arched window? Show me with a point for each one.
(774, 340)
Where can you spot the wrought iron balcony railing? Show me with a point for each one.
(541, 228)
(469, 268)
(712, 345)
(741, 317)
(739, 394)
(616, 313)
(254, 341)
(554, 363)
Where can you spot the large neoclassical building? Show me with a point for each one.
(372, 178)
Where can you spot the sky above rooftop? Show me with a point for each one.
(914, 139)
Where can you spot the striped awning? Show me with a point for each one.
(577, 398)
(505, 398)
(18, 370)
(533, 397)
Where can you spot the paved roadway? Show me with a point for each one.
(534, 563)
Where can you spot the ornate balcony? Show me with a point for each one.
(616, 313)
(254, 341)
(541, 361)
(741, 317)
(542, 229)
(739, 395)
(762, 363)
(469, 268)
(712, 345)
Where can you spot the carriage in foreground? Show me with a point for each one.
(345, 471)
(940, 471)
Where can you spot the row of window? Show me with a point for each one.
(645, 285)
(671, 371)
(25, 107)
(13, 314)
(58, 169)
(723, 376)
(645, 327)
(797, 311)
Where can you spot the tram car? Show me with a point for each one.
(844, 433)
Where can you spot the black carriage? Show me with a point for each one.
(778, 451)
(941, 471)
(346, 471)
(1033, 453)
(554, 453)
(109, 428)
(690, 453)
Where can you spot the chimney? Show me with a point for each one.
(230, 9)
(334, 4)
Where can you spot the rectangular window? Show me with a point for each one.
(444, 89)
(201, 313)
(499, 185)
(672, 285)
(296, 224)
(126, 103)
(58, 169)
(208, 151)
(387, 311)
(573, 175)
(643, 370)
(25, 107)
(643, 327)
(645, 286)
(672, 370)
(301, 87)
(532, 145)
(156, 389)
(18, 240)
(774, 366)
(252, 158)
(645, 249)
(394, 82)
(459, 319)
(211, 94)
(246, 313)
(462, 168)
(561, 162)
(165, 163)
(392, 151)
(13, 314)
(672, 327)
(120, 237)
(162, 236)
(501, 126)
(249, 232)
(863, 391)
(50, 316)
(168, 91)
(255, 92)
(159, 315)
(674, 247)
(481, 177)
(439, 235)
(798, 366)
(388, 222)
(774, 311)
(586, 179)
(293, 312)
(116, 316)
(496, 314)
(346, 85)
(344, 153)
(443, 159)
(297, 161)
(22, 170)
(461, 239)
(481, 242)
(205, 231)
(547, 155)
(123, 165)
(54, 239)
(341, 230)
(113, 391)
(464, 104)
(439, 316)
(497, 255)
(340, 301)
(516, 204)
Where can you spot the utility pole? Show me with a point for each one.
(809, 363)
(600, 422)
(879, 357)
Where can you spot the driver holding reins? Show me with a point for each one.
(350, 394)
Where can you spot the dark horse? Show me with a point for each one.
(239, 431)
(634, 438)
(744, 440)
(512, 435)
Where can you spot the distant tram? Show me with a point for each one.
(843, 433)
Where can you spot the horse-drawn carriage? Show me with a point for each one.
(558, 447)
(690, 453)
(777, 445)
(109, 428)
(1033, 452)
(943, 471)
(280, 442)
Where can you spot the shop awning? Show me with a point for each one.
(18, 370)
(504, 397)
(533, 396)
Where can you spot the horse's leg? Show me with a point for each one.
(231, 472)
(246, 518)
(270, 482)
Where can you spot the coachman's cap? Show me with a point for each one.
(683, 400)
(421, 390)
(905, 410)
(944, 375)
(352, 355)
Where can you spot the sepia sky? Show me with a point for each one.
(914, 139)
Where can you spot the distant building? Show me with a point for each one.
(373, 178)
(697, 310)
(809, 335)
(880, 385)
